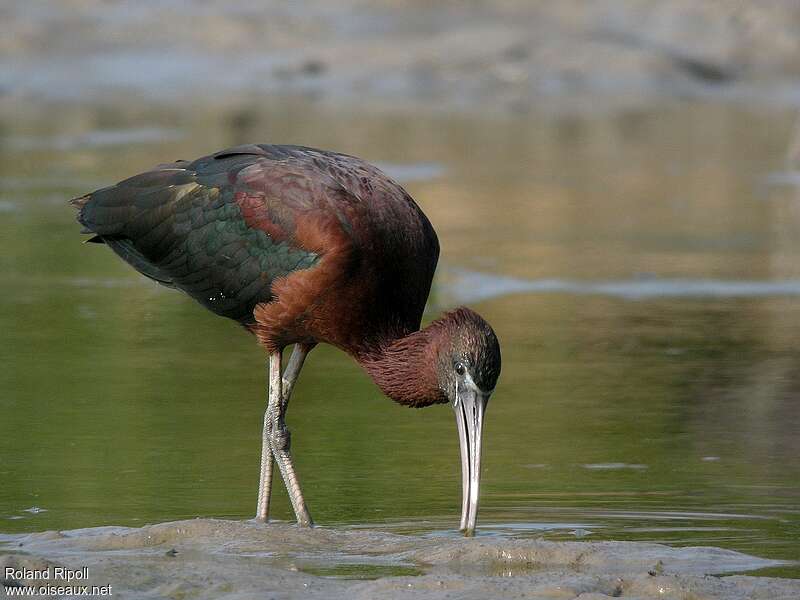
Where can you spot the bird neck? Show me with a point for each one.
(405, 368)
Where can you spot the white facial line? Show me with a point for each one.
(474, 386)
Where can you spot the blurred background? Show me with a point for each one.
(614, 188)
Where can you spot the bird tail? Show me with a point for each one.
(121, 245)
(79, 203)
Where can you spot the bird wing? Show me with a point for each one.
(221, 228)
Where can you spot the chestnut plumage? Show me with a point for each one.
(303, 246)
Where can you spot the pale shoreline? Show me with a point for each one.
(490, 57)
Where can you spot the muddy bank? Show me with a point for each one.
(208, 558)
(490, 56)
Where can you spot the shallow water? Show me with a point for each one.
(650, 365)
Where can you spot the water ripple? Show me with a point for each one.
(462, 285)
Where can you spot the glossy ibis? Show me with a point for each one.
(303, 246)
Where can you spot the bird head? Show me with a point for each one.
(467, 369)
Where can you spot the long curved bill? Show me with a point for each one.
(470, 406)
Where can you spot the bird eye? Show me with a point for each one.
(460, 368)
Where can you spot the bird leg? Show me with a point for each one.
(280, 436)
(276, 439)
(292, 370)
(265, 480)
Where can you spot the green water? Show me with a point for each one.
(667, 418)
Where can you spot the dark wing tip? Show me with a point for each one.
(81, 201)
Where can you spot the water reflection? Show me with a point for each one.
(464, 286)
(125, 403)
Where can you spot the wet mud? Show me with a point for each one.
(209, 558)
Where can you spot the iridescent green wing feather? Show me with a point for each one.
(200, 228)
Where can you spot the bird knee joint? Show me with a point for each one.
(281, 439)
